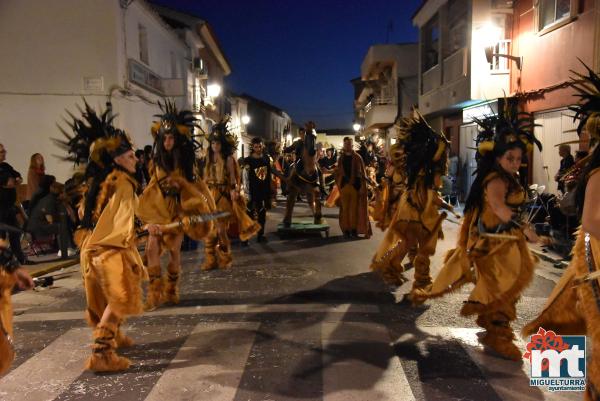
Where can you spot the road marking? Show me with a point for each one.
(209, 365)
(509, 379)
(359, 363)
(219, 309)
(50, 372)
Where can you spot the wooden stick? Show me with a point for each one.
(500, 236)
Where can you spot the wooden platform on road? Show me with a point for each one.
(303, 227)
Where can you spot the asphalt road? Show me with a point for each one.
(294, 319)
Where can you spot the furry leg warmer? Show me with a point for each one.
(104, 358)
(171, 294)
(210, 250)
(155, 288)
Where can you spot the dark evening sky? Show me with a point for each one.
(301, 55)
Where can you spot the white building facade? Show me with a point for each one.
(101, 50)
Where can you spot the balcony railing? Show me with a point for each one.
(379, 100)
(431, 79)
(144, 77)
(455, 66)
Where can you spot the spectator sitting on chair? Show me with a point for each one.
(566, 163)
(46, 213)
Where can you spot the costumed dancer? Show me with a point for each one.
(11, 273)
(492, 250)
(574, 305)
(391, 188)
(257, 181)
(417, 222)
(351, 180)
(222, 175)
(111, 266)
(175, 190)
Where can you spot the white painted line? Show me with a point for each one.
(218, 309)
(50, 372)
(343, 375)
(509, 379)
(209, 365)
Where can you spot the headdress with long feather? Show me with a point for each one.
(183, 126)
(220, 132)
(587, 110)
(94, 141)
(424, 147)
(173, 121)
(498, 131)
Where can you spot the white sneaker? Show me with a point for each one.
(70, 252)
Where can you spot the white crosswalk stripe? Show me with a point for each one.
(209, 365)
(359, 359)
(51, 371)
(341, 376)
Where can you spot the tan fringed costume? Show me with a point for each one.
(352, 184)
(164, 202)
(217, 246)
(112, 268)
(392, 186)
(175, 192)
(415, 228)
(573, 308)
(7, 282)
(419, 159)
(501, 268)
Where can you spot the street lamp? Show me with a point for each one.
(245, 120)
(356, 127)
(288, 139)
(213, 90)
(488, 35)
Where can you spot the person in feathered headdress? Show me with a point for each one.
(110, 263)
(416, 224)
(574, 305)
(175, 190)
(222, 175)
(393, 184)
(492, 250)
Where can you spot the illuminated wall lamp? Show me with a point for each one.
(489, 55)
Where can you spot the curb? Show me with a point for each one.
(547, 258)
(53, 268)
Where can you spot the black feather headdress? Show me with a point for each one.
(173, 121)
(496, 132)
(183, 126)
(94, 141)
(424, 147)
(220, 132)
(587, 110)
